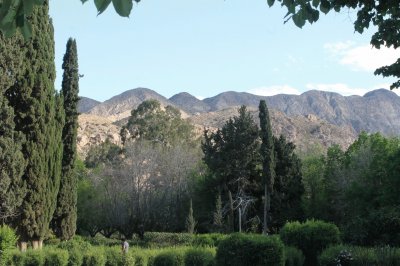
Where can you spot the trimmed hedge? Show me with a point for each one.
(310, 237)
(169, 258)
(94, 257)
(359, 256)
(208, 240)
(250, 250)
(34, 258)
(158, 239)
(56, 257)
(293, 256)
(8, 240)
(199, 257)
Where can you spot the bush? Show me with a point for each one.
(34, 258)
(199, 257)
(8, 240)
(208, 240)
(94, 257)
(251, 250)
(76, 247)
(293, 256)
(169, 258)
(157, 239)
(359, 256)
(310, 237)
(56, 257)
(113, 256)
(17, 258)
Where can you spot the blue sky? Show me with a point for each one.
(205, 47)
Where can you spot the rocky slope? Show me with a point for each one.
(120, 106)
(86, 104)
(314, 118)
(307, 132)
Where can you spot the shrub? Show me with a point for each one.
(251, 250)
(34, 258)
(310, 237)
(169, 258)
(113, 256)
(167, 239)
(208, 240)
(199, 257)
(94, 257)
(76, 247)
(203, 241)
(56, 257)
(329, 257)
(359, 256)
(293, 256)
(17, 258)
(8, 240)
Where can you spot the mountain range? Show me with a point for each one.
(326, 117)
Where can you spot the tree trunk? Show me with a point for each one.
(231, 213)
(266, 209)
(23, 246)
(37, 244)
(240, 220)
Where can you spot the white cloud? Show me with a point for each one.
(274, 90)
(200, 97)
(362, 57)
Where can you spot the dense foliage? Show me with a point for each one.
(355, 189)
(310, 237)
(38, 116)
(250, 250)
(64, 220)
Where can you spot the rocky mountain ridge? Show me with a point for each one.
(314, 118)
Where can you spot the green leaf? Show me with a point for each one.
(26, 30)
(315, 3)
(28, 6)
(325, 6)
(101, 5)
(123, 7)
(38, 2)
(9, 29)
(299, 20)
(270, 2)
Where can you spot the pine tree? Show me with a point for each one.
(64, 221)
(267, 153)
(39, 117)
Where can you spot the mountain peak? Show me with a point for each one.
(380, 92)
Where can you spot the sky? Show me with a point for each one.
(206, 47)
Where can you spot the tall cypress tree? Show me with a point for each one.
(39, 118)
(267, 153)
(64, 221)
(12, 162)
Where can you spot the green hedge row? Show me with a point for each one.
(160, 239)
(311, 237)
(250, 250)
(359, 256)
(112, 256)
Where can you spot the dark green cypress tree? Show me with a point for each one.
(12, 189)
(267, 153)
(64, 221)
(286, 201)
(40, 119)
(12, 163)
